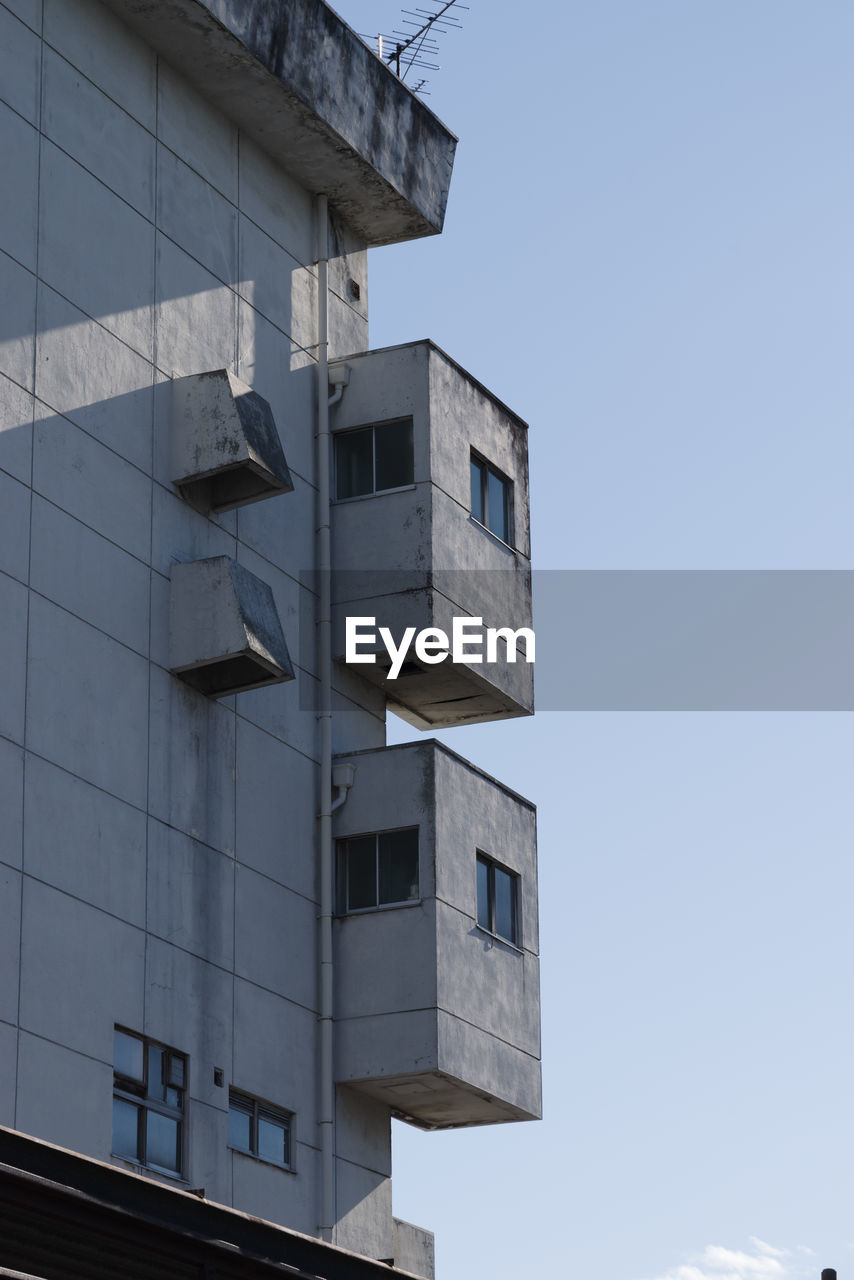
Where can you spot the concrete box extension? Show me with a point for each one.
(436, 1017)
(415, 556)
(224, 630)
(226, 450)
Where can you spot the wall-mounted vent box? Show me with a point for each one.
(225, 634)
(226, 450)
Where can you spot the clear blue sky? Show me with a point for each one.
(648, 254)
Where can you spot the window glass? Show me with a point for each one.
(491, 499)
(477, 490)
(483, 894)
(239, 1125)
(354, 463)
(496, 505)
(125, 1129)
(361, 873)
(258, 1129)
(162, 1139)
(148, 1102)
(496, 898)
(156, 1084)
(393, 451)
(127, 1055)
(398, 865)
(272, 1139)
(505, 904)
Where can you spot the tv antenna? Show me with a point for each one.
(405, 51)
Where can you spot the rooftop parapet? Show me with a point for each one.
(306, 88)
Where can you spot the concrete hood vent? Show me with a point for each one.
(225, 634)
(225, 446)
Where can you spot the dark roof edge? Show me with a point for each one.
(50, 1176)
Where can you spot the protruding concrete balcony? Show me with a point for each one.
(430, 522)
(436, 952)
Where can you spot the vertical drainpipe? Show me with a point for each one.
(326, 1101)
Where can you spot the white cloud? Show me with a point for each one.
(762, 1261)
(762, 1246)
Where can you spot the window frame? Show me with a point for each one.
(342, 887)
(136, 1092)
(477, 460)
(259, 1109)
(372, 427)
(492, 865)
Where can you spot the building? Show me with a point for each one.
(239, 933)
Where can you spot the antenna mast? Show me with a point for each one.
(403, 50)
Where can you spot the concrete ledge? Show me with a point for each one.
(304, 86)
(414, 1249)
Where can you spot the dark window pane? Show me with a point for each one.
(477, 490)
(173, 1098)
(162, 1138)
(239, 1128)
(272, 1139)
(156, 1081)
(505, 904)
(125, 1129)
(341, 878)
(496, 503)
(127, 1055)
(483, 894)
(393, 448)
(354, 463)
(398, 865)
(361, 873)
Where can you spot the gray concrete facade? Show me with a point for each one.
(158, 842)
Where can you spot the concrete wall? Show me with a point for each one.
(156, 852)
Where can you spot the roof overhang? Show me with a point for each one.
(66, 1215)
(306, 88)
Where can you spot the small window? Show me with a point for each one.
(378, 870)
(491, 494)
(258, 1129)
(149, 1087)
(374, 459)
(496, 899)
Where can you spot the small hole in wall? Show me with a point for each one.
(219, 1077)
(355, 290)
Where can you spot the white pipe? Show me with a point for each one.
(341, 776)
(326, 1099)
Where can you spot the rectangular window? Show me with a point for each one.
(258, 1129)
(496, 899)
(149, 1086)
(379, 870)
(491, 494)
(374, 459)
